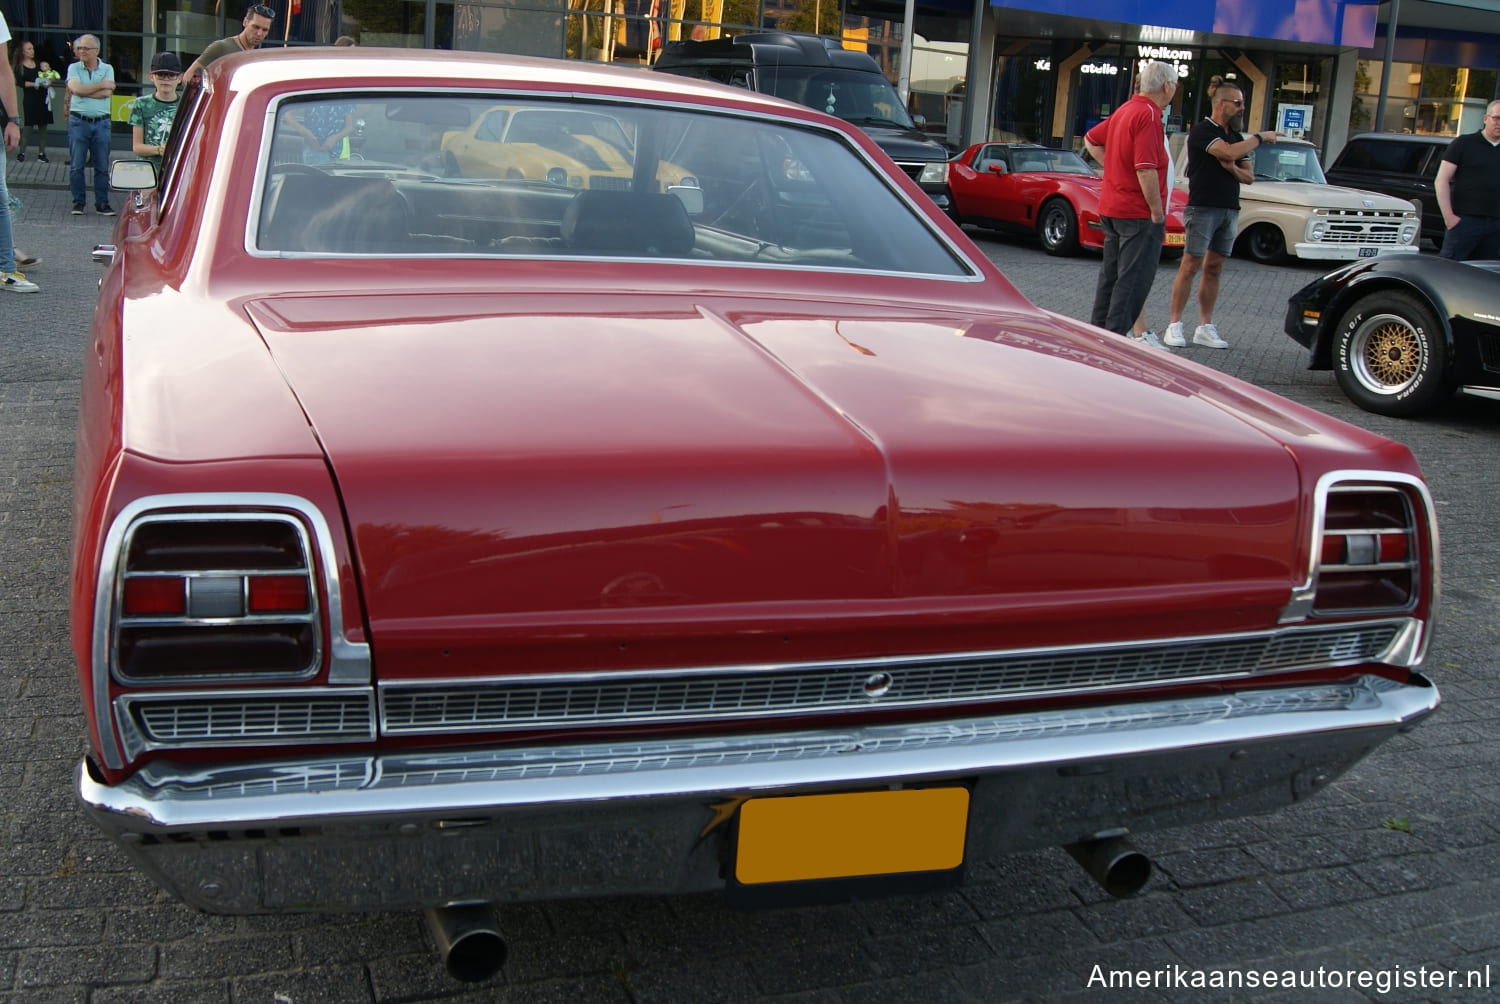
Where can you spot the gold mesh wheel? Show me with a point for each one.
(1388, 353)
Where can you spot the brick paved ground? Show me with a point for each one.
(1329, 883)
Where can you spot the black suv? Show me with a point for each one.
(819, 73)
(1398, 164)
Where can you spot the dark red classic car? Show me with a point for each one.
(1027, 188)
(444, 542)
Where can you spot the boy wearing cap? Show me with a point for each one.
(151, 116)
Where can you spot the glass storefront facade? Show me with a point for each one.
(617, 31)
(1440, 84)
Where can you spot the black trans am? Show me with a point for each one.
(1401, 334)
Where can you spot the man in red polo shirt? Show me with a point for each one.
(1132, 206)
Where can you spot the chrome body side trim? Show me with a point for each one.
(348, 662)
(505, 824)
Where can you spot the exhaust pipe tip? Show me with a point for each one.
(1114, 863)
(468, 938)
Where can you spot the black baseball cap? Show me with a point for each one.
(165, 62)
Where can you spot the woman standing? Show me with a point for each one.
(34, 91)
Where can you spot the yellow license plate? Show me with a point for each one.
(1176, 240)
(802, 837)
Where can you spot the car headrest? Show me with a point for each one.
(627, 223)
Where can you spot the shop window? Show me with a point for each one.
(526, 27)
(1023, 83)
(1406, 78)
(1457, 82)
(398, 23)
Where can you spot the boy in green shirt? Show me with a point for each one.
(151, 115)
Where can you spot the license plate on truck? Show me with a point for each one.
(1368, 252)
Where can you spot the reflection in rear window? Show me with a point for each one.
(486, 175)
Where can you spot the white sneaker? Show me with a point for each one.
(1148, 337)
(15, 282)
(1173, 337)
(1208, 336)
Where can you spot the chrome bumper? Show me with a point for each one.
(411, 830)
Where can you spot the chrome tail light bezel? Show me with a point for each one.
(1422, 557)
(339, 661)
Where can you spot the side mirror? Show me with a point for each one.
(132, 176)
(920, 121)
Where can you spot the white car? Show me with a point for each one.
(1292, 210)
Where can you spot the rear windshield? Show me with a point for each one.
(408, 174)
(1287, 162)
(865, 98)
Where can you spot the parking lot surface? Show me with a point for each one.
(1389, 876)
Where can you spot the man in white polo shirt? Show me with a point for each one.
(91, 81)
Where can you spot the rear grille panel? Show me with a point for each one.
(214, 718)
(759, 692)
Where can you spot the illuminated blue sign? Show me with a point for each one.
(1325, 22)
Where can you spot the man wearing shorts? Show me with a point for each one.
(1218, 163)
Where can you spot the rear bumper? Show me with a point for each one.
(410, 830)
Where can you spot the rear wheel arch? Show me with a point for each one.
(1322, 352)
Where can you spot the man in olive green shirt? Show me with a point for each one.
(257, 24)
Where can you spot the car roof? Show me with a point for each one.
(1402, 137)
(321, 67)
(766, 48)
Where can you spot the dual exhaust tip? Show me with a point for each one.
(468, 938)
(1114, 863)
(473, 949)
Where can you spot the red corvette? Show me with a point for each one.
(443, 542)
(1022, 187)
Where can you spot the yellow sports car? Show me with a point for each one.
(564, 146)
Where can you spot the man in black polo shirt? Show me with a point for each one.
(1218, 163)
(1468, 194)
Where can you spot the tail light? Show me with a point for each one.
(216, 596)
(1368, 556)
(1374, 541)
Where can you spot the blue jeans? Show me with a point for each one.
(1476, 238)
(1132, 250)
(85, 138)
(7, 252)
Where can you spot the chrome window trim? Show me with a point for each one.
(1402, 650)
(651, 102)
(1300, 608)
(348, 662)
(136, 741)
(311, 617)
